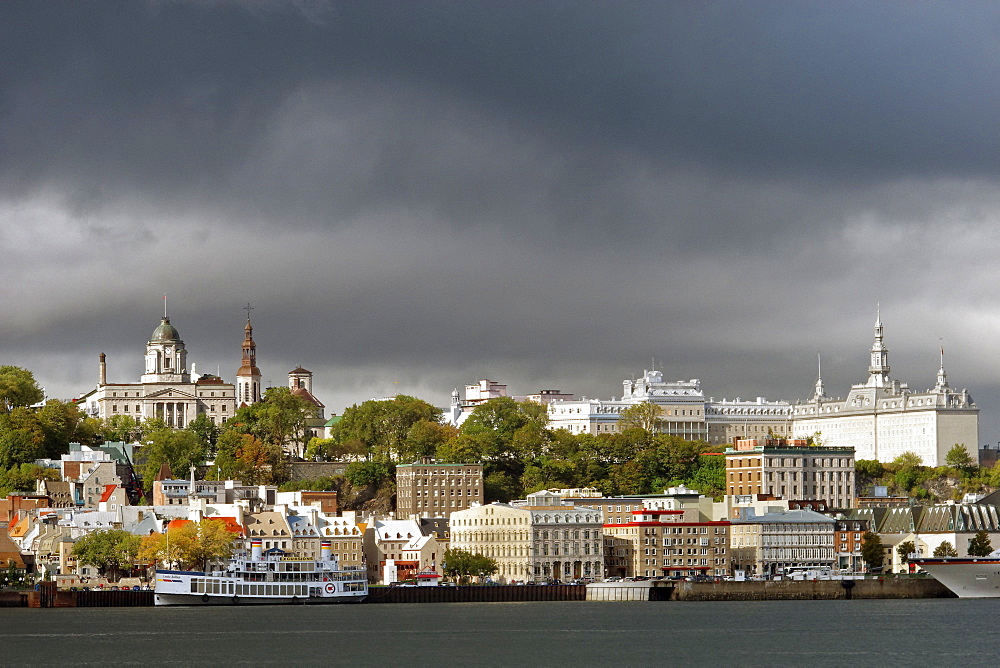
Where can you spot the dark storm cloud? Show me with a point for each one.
(416, 194)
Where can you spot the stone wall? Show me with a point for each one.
(790, 590)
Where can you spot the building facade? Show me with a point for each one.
(538, 539)
(167, 390)
(433, 489)
(670, 543)
(883, 418)
(791, 470)
(770, 544)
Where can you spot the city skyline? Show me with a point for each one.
(415, 196)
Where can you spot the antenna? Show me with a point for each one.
(164, 306)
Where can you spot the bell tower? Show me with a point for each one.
(166, 357)
(879, 369)
(248, 377)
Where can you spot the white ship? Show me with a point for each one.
(967, 577)
(265, 579)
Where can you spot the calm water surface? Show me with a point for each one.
(951, 632)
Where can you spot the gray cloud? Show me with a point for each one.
(550, 194)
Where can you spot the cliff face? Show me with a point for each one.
(380, 498)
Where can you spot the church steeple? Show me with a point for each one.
(879, 369)
(248, 377)
(820, 392)
(942, 377)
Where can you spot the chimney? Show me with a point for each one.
(103, 378)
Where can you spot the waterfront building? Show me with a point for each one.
(673, 543)
(427, 488)
(168, 390)
(848, 531)
(768, 544)
(882, 418)
(791, 470)
(539, 538)
(398, 550)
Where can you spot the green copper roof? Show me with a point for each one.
(165, 332)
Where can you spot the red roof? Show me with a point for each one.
(108, 491)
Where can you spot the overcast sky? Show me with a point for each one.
(415, 195)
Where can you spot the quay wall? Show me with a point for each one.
(788, 590)
(477, 594)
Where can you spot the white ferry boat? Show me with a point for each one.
(265, 579)
(967, 577)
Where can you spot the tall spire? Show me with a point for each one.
(879, 369)
(248, 377)
(820, 390)
(942, 377)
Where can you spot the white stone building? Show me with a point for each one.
(539, 538)
(883, 418)
(168, 390)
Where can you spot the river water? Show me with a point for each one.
(952, 632)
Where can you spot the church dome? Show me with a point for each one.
(165, 332)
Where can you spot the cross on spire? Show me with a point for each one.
(247, 308)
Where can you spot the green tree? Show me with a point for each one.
(193, 545)
(872, 552)
(280, 419)
(123, 428)
(109, 550)
(945, 549)
(246, 458)
(980, 545)
(18, 446)
(18, 388)
(178, 449)
(958, 457)
(24, 478)
(461, 563)
(206, 431)
(62, 422)
(907, 460)
(904, 550)
(382, 429)
(644, 415)
(365, 474)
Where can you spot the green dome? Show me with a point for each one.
(165, 332)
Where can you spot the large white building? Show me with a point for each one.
(540, 538)
(883, 418)
(168, 390)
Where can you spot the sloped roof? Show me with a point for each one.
(109, 490)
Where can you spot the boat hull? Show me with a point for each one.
(966, 577)
(206, 599)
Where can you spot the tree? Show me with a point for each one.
(644, 415)
(109, 550)
(462, 563)
(980, 545)
(945, 549)
(904, 550)
(193, 545)
(246, 458)
(381, 429)
(178, 449)
(871, 550)
(907, 460)
(206, 431)
(365, 474)
(24, 478)
(280, 419)
(18, 388)
(124, 428)
(18, 446)
(958, 457)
